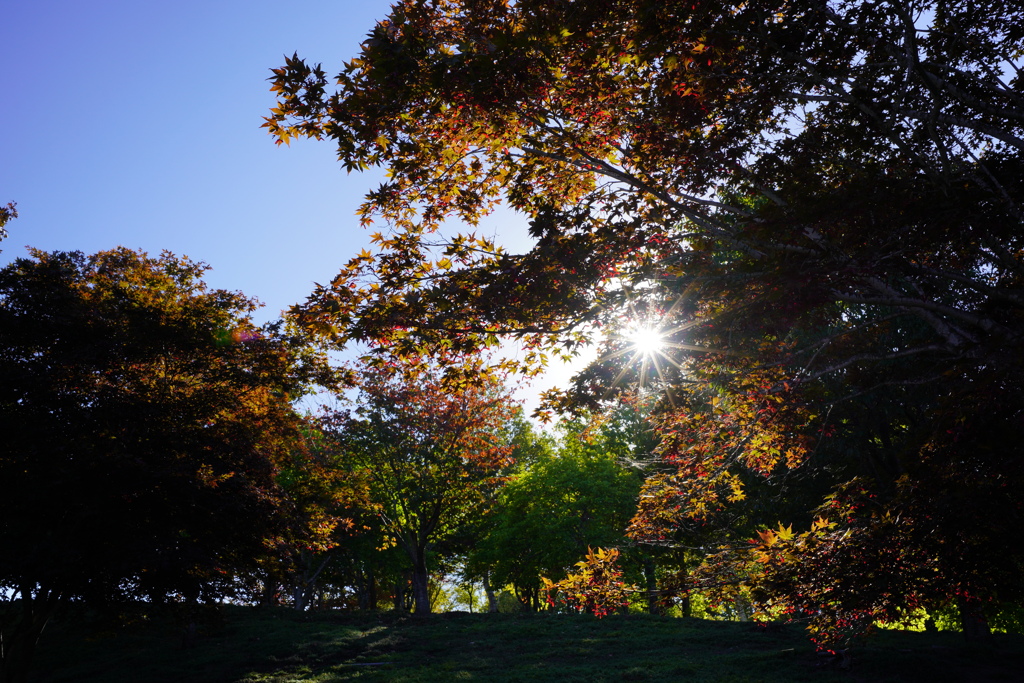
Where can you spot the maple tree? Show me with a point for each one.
(780, 147)
(431, 450)
(597, 588)
(816, 202)
(933, 538)
(144, 417)
(7, 214)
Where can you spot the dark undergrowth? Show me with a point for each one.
(247, 645)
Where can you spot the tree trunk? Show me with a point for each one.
(420, 583)
(492, 600)
(269, 596)
(525, 597)
(306, 581)
(650, 575)
(371, 589)
(22, 624)
(362, 591)
(399, 595)
(687, 606)
(742, 609)
(973, 622)
(367, 587)
(298, 597)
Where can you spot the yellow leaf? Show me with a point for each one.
(820, 523)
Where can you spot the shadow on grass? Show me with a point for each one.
(245, 645)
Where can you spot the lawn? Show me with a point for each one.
(246, 645)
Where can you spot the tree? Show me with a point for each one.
(549, 513)
(431, 450)
(816, 202)
(529, 446)
(770, 139)
(144, 417)
(327, 504)
(935, 537)
(7, 214)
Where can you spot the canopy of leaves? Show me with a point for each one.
(549, 514)
(817, 202)
(143, 417)
(7, 214)
(432, 452)
(848, 166)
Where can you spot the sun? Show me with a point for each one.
(647, 341)
(647, 344)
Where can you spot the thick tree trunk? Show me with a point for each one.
(362, 592)
(269, 596)
(299, 597)
(492, 600)
(371, 589)
(742, 609)
(367, 590)
(305, 581)
(687, 606)
(420, 583)
(399, 595)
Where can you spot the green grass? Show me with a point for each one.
(245, 645)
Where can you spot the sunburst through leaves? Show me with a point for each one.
(650, 345)
(646, 340)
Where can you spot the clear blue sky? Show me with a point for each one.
(138, 124)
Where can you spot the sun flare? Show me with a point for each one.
(647, 341)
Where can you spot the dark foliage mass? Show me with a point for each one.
(143, 417)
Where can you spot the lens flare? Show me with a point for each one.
(647, 341)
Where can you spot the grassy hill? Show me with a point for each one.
(250, 645)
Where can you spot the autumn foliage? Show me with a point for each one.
(817, 203)
(432, 450)
(597, 588)
(145, 420)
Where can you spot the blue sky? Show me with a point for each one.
(138, 124)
